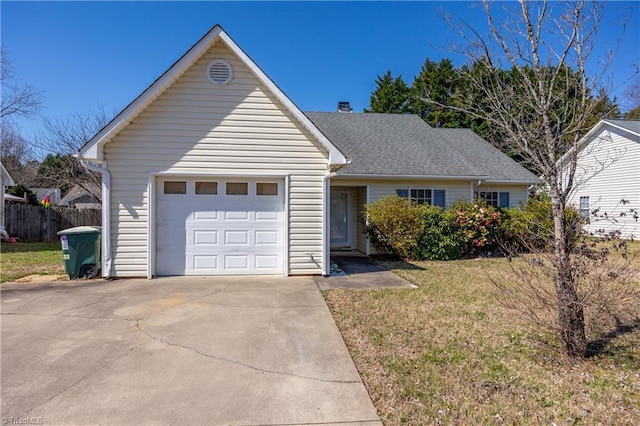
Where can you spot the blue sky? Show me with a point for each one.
(88, 54)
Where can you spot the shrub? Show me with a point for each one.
(442, 239)
(480, 224)
(395, 225)
(531, 227)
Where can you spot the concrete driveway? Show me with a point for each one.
(241, 351)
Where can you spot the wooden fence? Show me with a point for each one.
(35, 223)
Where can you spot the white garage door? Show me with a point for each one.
(219, 226)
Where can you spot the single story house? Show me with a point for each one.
(85, 196)
(214, 170)
(607, 178)
(5, 181)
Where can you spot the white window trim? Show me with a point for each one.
(409, 197)
(586, 210)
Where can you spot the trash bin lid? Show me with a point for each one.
(81, 230)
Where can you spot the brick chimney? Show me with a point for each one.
(344, 106)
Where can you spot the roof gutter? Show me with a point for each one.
(515, 182)
(412, 177)
(106, 205)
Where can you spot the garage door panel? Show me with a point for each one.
(264, 238)
(236, 215)
(205, 262)
(234, 238)
(236, 262)
(199, 216)
(266, 216)
(205, 237)
(219, 234)
(266, 262)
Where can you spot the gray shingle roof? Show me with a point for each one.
(404, 145)
(633, 125)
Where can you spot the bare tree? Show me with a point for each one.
(632, 95)
(18, 99)
(59, 141)
(530, 82)
(16, 154)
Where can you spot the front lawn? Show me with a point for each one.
(21, 259)
(449, 353)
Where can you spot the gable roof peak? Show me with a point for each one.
(93, 149)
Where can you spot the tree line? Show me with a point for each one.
(447, 96)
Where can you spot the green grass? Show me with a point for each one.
(21, 259)
(449, 352)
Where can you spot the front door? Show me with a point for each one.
(339, 229)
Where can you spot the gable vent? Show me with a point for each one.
(219, 72)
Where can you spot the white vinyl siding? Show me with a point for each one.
(197, 128)
(609, 172)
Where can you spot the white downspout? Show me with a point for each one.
(326, 213)
(473, 187)
(106, 204)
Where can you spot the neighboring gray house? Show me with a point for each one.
(608, 177)
(213, 170)
(82, 197)
(53, 194)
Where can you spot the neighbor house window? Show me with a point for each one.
(237, 188)
(584, 209)
(207, 188)
(175, 187)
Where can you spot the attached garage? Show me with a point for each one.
(212, 170)
(207, 226)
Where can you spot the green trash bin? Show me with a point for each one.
(81, 251)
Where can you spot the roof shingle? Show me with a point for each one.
(404, 145)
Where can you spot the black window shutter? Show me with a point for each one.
(504, 199)
(438, 198)
(404, 193)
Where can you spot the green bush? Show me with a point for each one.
(394, 225)
(442, 239)
(531, 227)
(425, 232)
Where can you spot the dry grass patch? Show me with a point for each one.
(21, 259)
(450, 353)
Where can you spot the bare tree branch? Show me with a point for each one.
(18, 99)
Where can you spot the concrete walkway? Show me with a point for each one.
(227, 351)
(360, 272)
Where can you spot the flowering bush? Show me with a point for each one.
(480, 224)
